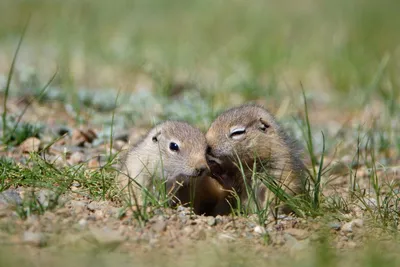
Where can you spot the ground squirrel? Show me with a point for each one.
(175, 153)
(250, 133)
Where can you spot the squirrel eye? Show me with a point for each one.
(173, 146)
(237, 133)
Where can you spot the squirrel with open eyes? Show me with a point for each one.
(173, 153)
(247, 140)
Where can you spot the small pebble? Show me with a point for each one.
(83, 222)
(159, 226)
(334, 225)
(358, 223)
(211, 221)
(347, 227)
(107, 236)
(76, 158)
(34, 239)
(259, 230)
(31, 144)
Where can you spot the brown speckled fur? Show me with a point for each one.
(268, 148)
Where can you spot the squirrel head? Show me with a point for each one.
(182, 148)
(244, 132)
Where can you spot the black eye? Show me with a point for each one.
(173, 146)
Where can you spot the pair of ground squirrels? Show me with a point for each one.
(205, 170)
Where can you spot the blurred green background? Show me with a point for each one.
(256, 48)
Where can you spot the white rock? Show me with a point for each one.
(358, 223)
(259, 230)
(83, 222)
(347, 227)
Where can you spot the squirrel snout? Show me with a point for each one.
(201, 167)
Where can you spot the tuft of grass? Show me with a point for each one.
(21, 132)
(314, 177)
(46, 182)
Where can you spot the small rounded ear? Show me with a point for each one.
(156, 136)
(263, 125)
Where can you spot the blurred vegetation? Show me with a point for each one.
(258, 48)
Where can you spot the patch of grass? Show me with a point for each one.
(8, 170)
(21, 132)
(381, 198)
(143, 200)
(46, 182)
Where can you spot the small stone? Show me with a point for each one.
(351, 244)
(259, 230)
(359, 223)
(93, 164)
(99, 214)
(299, 234)
(180, 209)
(119, 145)
(34, 239)
(334, 225)
(183, 218)
(347, 227)
(45, 197)
(76, 184)
(31, 144)
(211, 221)
(83, 222)
(93, 206)
(159, 226)
(107, 236)
(77, 203)
(219, 219)
(187, 230)
(76, 158)
(10, 196)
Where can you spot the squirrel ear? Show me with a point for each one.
(155, 137)
(263, 125)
